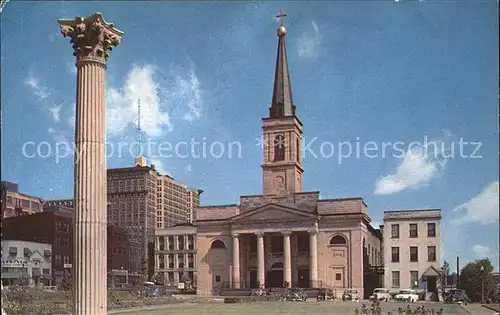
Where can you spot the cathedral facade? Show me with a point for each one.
(285, 237)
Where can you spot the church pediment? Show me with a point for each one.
(273, 212)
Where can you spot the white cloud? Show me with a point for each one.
(51, 130)
(482, 208)
(418, 168)
(122, 104)
(159, 166)
(481, 251)
(40, 90)
(376, 224)
(186, 91)
(189, 168)
(55, 111)
(309, 43)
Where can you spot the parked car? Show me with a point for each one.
(296, 294)
(325, 295)
(407, 295)
(381, 294)
(350, 295)
(456, 296)
(153, 291)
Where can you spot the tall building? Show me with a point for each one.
(132, 206)
(142, 200)
(15, 203)
(412, 250)
(193, 200)
(286, 236)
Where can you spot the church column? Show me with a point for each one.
(261, 268)
(287, 259)
(236, 261)
(91, 37)
(313, 256)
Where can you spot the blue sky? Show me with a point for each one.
(380, 72)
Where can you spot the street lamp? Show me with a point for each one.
(482, 284)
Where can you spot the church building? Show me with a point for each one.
(285, 237)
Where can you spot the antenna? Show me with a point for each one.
(139, 120)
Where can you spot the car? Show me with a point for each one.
(350, 295)
(381, 294)
(325, 295)
(407, 295)
(456, 296)
(296, 294)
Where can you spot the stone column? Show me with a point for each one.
(261, 268)
(287, 259)
(236, 261)
(91, 37)
(313, 258)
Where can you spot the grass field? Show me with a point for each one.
(284, 308)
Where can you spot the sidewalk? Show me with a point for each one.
(148, 308)
(478, 309)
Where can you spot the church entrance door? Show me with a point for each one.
(304, 281)
(253, 279)
(275, 279)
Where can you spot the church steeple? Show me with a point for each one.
(282, 103)
(282, 132)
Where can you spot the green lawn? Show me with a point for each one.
(283, 308)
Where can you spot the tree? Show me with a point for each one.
(472, 278)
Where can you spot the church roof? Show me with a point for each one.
(282, 103)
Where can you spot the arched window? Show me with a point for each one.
(338, 240)
(218, 244)
(279, 148)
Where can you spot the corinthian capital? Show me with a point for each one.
(91, 37)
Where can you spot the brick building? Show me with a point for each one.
(55, 226)
(15, 203)
(285, 237)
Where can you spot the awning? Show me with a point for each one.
(431, 272)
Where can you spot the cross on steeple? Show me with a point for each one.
(281, 16)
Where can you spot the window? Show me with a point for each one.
(395, 230)
(395, 279)
(431, 253)
(395, 254)
(338, 277)
(431, 229)
(413, 279)
(279, 148)
(217, 278)
(413, 230)
(413, 253)
(298, 150)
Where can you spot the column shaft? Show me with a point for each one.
(236, 262)
(90, 192)
(313, 256)
(261, 269)
(287, 259)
